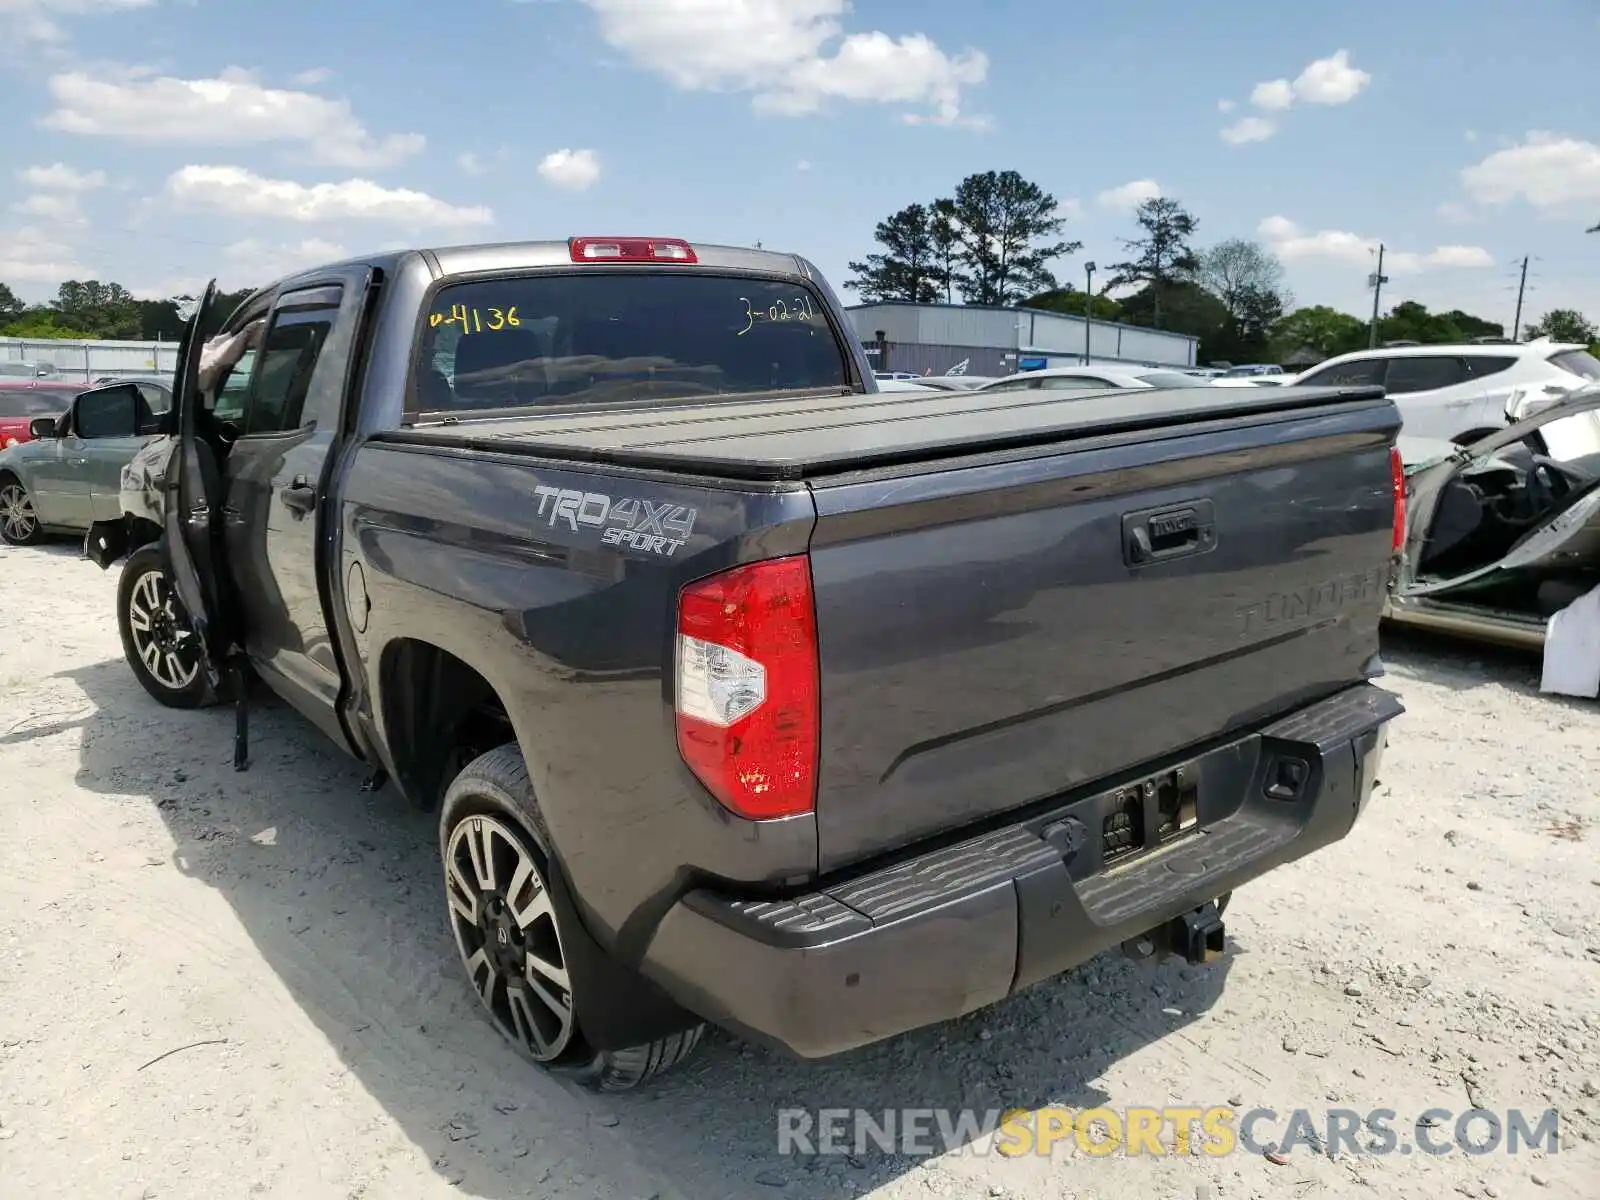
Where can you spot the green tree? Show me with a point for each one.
(1249, 281)
(1183, 307)
(107, 310)
(37, 324)
(904, 269)
(1161, 253)
(1008, 233)
(1322, 330)
(1069, 300)
(10, 306)
(1564, 325)
(946, 251)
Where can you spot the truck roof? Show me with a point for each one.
(509, 256)
(806, 436)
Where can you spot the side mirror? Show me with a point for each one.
(41, 428)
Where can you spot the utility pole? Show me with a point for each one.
(1522, 286)
(1377, 280)
(1088, 308)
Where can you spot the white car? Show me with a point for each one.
(1093, 379)
(1461, 393)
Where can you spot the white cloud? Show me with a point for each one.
(251, 262)
(572, 170)
(1331, 80)
(792, 55)
(39, 20)
(58, 177)
(55, 207)
(1456, 214)
(1226, 106)
(312, 77)
(241, 193)
(470, 163)
(28, 255)
(233, 109)
(1249, 129)
(1274, 94)
(1550, 172)
(1130, 195)
(1291, 244)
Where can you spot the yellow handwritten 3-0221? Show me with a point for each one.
(475, 320)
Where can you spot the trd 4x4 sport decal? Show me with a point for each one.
(627, 522)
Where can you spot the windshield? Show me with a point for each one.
(1167, 379)
(594, 338)
(33, 404)
(1578, 362)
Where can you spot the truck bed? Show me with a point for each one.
(810, 436)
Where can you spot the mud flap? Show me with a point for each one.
(106, 542)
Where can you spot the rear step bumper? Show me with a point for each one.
(945, 933)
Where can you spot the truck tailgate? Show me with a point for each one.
(1007, 628)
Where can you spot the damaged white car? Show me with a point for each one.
(1504, 534)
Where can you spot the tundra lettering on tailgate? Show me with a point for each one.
(1283, 611)
(627, 522)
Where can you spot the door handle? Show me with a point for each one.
(1155, 535)
(299, 497)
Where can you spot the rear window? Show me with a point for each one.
(1480, 365)
(33, 404)
(1579, 362)
(1168, 379)
(597, 338)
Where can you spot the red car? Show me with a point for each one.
(22, 403)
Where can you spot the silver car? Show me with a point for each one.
(68, 476)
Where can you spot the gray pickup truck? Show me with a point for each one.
(746, 693)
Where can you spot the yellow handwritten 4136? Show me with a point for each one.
(476, 320)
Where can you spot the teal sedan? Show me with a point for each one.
(68, 476)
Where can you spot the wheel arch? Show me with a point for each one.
(438, 711)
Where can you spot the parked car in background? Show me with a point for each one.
(1461, 393)
(12, 368)
(1505, 533)
(25, 399)
(1092, 379)
(1247, 369)
(956, 383)
(164, 378)
(68, 475)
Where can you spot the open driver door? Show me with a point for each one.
(194, 492)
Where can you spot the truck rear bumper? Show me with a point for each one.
(931, 937)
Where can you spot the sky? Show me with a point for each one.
(160, 143)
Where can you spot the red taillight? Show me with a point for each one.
(746, 692)
(1397, 480)
(632, 249)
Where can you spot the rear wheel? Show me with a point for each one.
(512, 934)
(156, 638)
(19, 522)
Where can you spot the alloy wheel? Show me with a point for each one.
(17, 517)
(161, 638)
(505, 927)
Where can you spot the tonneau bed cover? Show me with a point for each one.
(804, 436)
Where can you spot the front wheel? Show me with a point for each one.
(156, 639)
(19, 521)
(512, 934)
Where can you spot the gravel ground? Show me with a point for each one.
(284, 930)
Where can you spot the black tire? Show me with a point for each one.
(143, 586)
(16, 528)
(488, 807)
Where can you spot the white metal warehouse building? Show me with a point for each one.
(940, 339)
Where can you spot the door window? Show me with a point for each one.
(109, 413)
(1481, 365)
(1357, 372)
(283, 369)
(1423, 374)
